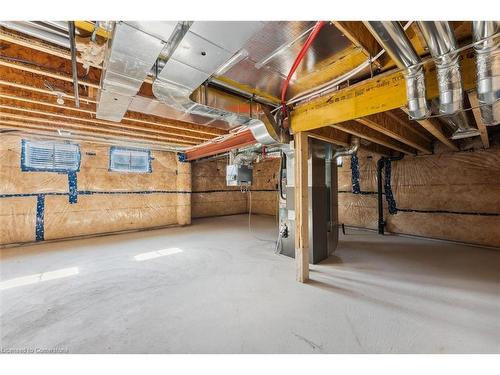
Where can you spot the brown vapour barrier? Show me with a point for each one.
(452, 196)
(107, 201)
(211, 196)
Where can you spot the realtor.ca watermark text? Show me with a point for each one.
(29, 350)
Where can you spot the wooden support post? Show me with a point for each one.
(301, 207)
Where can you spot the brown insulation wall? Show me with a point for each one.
(211, 196)
(264, 194)
(107, 201)
(453, 196)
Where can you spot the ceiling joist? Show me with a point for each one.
(338, 137)
(385, 125)
(14, 119)
(50, 131)
(361, 131)
(359, 35)
(44, 72)
(96, 122)
(434, 127)
(34, 95)
(476, 111)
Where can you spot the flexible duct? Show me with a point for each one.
(391, 36)
(442, 45)
(245, 158)
(488, 69)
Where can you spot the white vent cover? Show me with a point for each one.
(50, 156)
(127, 160)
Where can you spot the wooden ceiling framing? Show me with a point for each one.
(369, 110)
(33, 72)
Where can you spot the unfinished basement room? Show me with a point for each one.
(250, 186)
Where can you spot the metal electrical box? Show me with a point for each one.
(323, 207)
(239, 175)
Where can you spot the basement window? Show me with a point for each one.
(129, 160)
(49, 156)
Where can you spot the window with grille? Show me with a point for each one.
(129, 160)
(49, 156)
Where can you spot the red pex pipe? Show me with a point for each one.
(298, 60)
(246, 138)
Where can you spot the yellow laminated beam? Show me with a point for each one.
(89, 26)
(378, 94)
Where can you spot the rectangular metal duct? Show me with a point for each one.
(203, 50)
(131, 56)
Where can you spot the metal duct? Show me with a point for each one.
(348, 151)
(205, 49)
(488, 69)
(391, 36)
(442, 45)
(135, 46)
(39, 30)
(244, 158)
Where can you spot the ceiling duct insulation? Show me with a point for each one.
(391, 36)
(205, 49)
(440, 40)
(488, 69)
(51, 31)
(134, 49)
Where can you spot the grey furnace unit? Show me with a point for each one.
(323, 204)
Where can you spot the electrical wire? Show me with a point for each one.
(330, 86)
(317, 91)
(316, 29)
(249, 220)
(280, 182)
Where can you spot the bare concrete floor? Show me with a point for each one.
(213, 288)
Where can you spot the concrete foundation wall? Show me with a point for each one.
(106, 201)
(452, 196)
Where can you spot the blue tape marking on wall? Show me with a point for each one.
(72, 190)
(181, 156)
(90, 192)
(40, 214)
(388, 190)
(356, 189)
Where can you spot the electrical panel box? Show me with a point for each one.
(238, 175)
